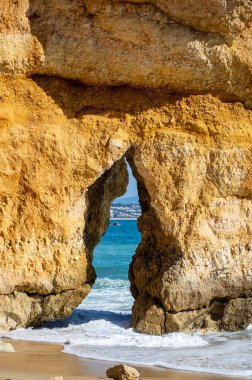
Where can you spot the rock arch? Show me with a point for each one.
(156, 81)
(192, 268)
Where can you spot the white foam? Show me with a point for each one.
(109, 295)
(94, 331)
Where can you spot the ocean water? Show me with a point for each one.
(100, 327)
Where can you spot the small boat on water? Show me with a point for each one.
(116, 224)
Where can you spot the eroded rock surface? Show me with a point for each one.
(122, 372)
(169, 89)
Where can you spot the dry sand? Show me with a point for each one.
(40, 361)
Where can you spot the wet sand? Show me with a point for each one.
(40, 361)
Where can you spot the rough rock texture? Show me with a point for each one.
(122, 372)
(20, 51)
(196, 46)
(197, 248)
(169, 89)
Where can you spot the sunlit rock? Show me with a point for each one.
(85, 85)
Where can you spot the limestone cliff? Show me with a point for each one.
(85, 84)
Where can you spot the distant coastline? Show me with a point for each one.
(126, 211)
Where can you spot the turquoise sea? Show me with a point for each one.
(100, 327)
(113, 255)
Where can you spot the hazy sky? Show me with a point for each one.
(132, 187)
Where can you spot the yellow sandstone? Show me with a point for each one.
(164, 84)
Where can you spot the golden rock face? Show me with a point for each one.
(169, 88)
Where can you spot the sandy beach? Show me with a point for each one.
(40, 361)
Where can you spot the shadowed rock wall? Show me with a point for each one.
(168, 86)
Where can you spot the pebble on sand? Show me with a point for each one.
(6, 347)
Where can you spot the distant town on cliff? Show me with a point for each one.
(125, 208)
